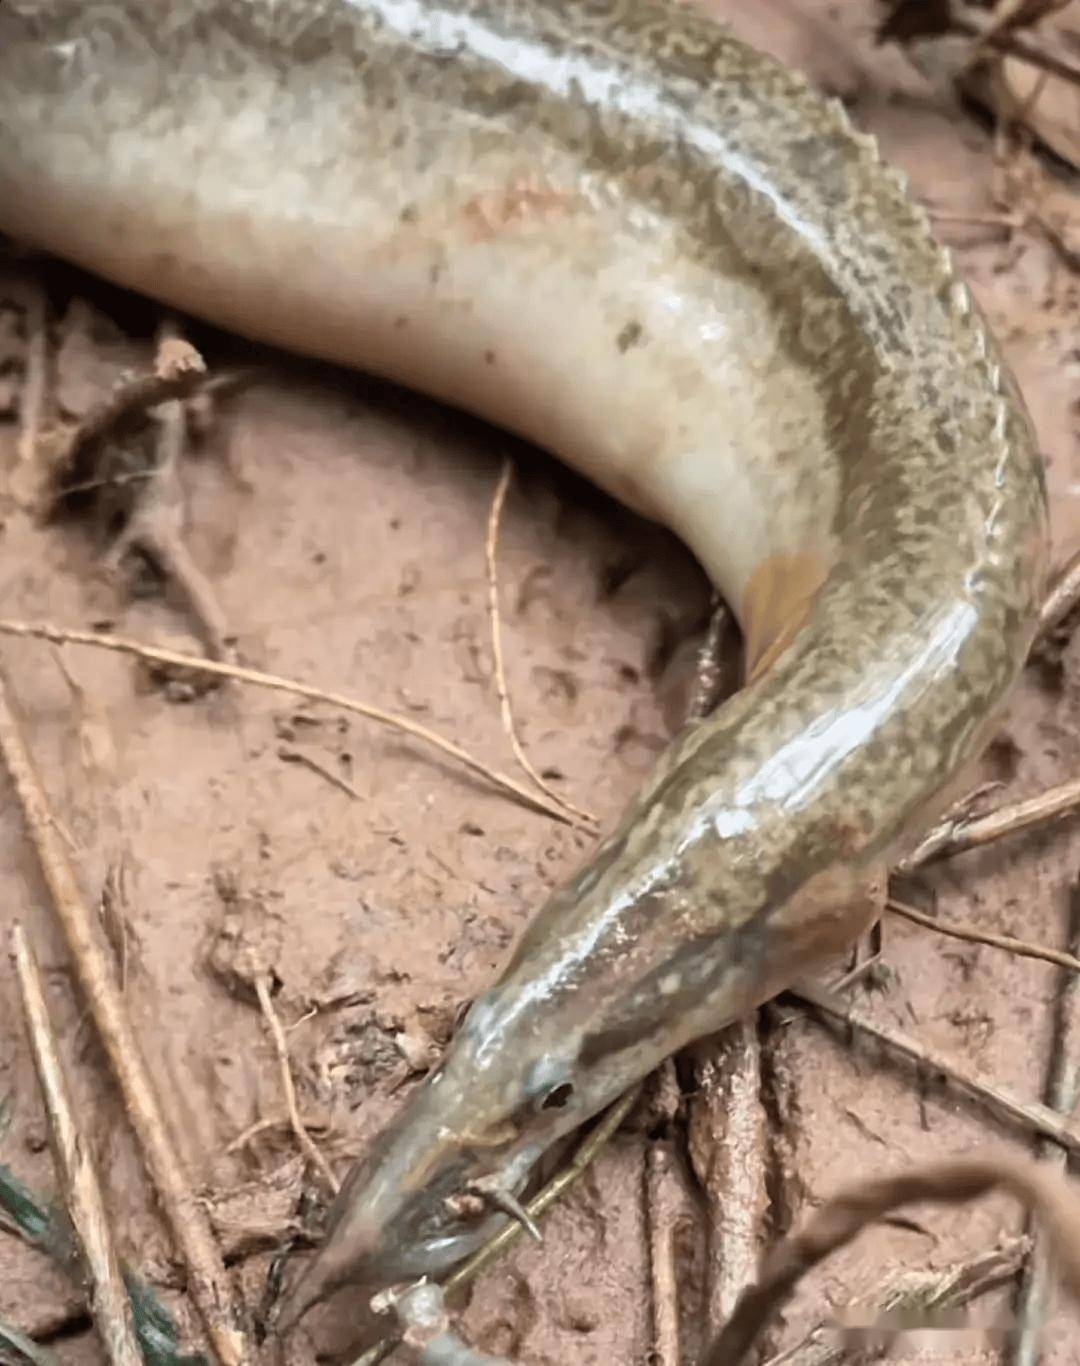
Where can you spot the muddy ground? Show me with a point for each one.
(342, 525)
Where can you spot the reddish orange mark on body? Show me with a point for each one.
(823, 919)
(522, 201)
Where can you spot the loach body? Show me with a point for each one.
(612, 228)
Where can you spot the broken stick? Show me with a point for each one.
(207, 1279)
(83, 1199)
(1062, 1093)
(956, 836)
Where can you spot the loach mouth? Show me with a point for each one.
(373, 1253)
(435, 1256)
(446, 1175)
(423, 1200)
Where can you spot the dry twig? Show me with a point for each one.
(1021, 947)
(861, 967)
(1062, 597)
(662, 1201)
(178, 371)
(35, 386)
(727, 1148)
(1010, 221)
(727, 1130)
(491, 551)
(208, 1281)
(955, 836)
(843, 1217)
(976, 24)
(256, 678)
(155, 526)
(307, 1144)
(1062, 1094)
(83, 1199)
(1031, 1115)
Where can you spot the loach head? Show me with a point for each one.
(619, 969)
(424, 1197)
(616, 972)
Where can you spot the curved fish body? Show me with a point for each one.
(614, 229)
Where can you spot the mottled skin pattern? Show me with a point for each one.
(615, 229)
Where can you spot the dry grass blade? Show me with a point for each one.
(207, 1278)
(281, 1048)
(1062, 1094)
(83, 1199)
(24, 1346)
(1031, 1115)
(256, 678)
(1021, 947)
(297, 756)
(842, 1218)
(491, 553)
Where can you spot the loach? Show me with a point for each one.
(619, 232)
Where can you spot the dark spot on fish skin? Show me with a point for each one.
(630, 335)
(410, 213)
(401, 321)
(666, 993)
(502, 98)
(825, 162)
(606, 1043)
(489, 357)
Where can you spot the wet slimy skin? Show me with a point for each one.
(611, 227)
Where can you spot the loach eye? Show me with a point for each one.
(558, 1097)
